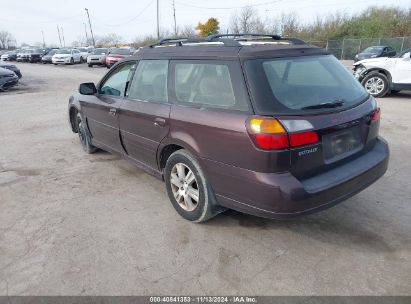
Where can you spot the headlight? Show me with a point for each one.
(374, 56)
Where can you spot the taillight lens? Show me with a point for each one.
(376, 115)
(303, 138)
(270, 134)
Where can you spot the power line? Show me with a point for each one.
(228, 8)
(134, 18)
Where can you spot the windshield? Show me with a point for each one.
(63, 51)
(290, 85)
(120, 51)
(51, 53)
(99, 51)
(374, 50)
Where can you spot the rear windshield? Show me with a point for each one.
(63, 51)
(289, 85)
(99, 51)
(120, 51)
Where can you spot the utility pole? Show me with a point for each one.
(58, 32)
(91, 30)
(85, 29)
(44, 42)
(62, 35)
(175, 21)
(158, 22)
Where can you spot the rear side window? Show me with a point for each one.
(289, 85)
(150, 81)
(210, 84)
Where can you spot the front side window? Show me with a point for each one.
(294, 85)
(150, 81)
(115, 84)
(210, 84)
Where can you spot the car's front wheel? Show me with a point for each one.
(84, 136)
(376, 84)
(72, 60)
(188, 189)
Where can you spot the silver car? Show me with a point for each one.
(97, 57)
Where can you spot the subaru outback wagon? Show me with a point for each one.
(264, 125)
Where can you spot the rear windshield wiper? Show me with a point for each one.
(331, 104)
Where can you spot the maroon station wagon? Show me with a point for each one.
(264, 125)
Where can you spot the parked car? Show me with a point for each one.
(9, 56)
(116, 54)
(374, 52)
(97, 57)
(11, 67)
(8, 79)
(83, 53)
(271, 127)
(47, 58)
(67, 56)
(36, 55)
(381, 76)
(23, 55)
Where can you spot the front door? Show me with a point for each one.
(144, 113)
(402, 74)
(101, 110)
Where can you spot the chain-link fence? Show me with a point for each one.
(347, 48)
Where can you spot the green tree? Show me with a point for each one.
(210, 27)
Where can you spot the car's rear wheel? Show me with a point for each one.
(90, 65)
(376, 84)
(84, 136)
(188, 189)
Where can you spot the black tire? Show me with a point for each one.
(84, 136)
(90, 65)
(72, 61)
(207, 206)
(378, 77)
(81, 60)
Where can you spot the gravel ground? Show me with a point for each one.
(77, 224)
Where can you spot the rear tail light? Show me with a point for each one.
(376, 115)
(271, 134)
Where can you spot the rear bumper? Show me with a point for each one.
(281, 195)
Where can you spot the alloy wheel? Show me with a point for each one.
(374, 85)
(184, 187)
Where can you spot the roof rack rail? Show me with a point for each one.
(243, 37)
(180, 41)
(224, 38)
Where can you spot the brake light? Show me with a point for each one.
(270, 134)
(376, 115)
(303, 138)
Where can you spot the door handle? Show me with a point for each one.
(112, 112)
(159, 122)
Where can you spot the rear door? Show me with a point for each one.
(144, 113)
(101, 110)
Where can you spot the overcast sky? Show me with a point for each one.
(133, 18)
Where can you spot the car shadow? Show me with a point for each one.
(336, 227)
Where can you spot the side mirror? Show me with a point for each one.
(87, 88)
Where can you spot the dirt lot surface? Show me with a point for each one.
(77, 224)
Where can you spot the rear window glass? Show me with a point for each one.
(209, 84)
(289, 85)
